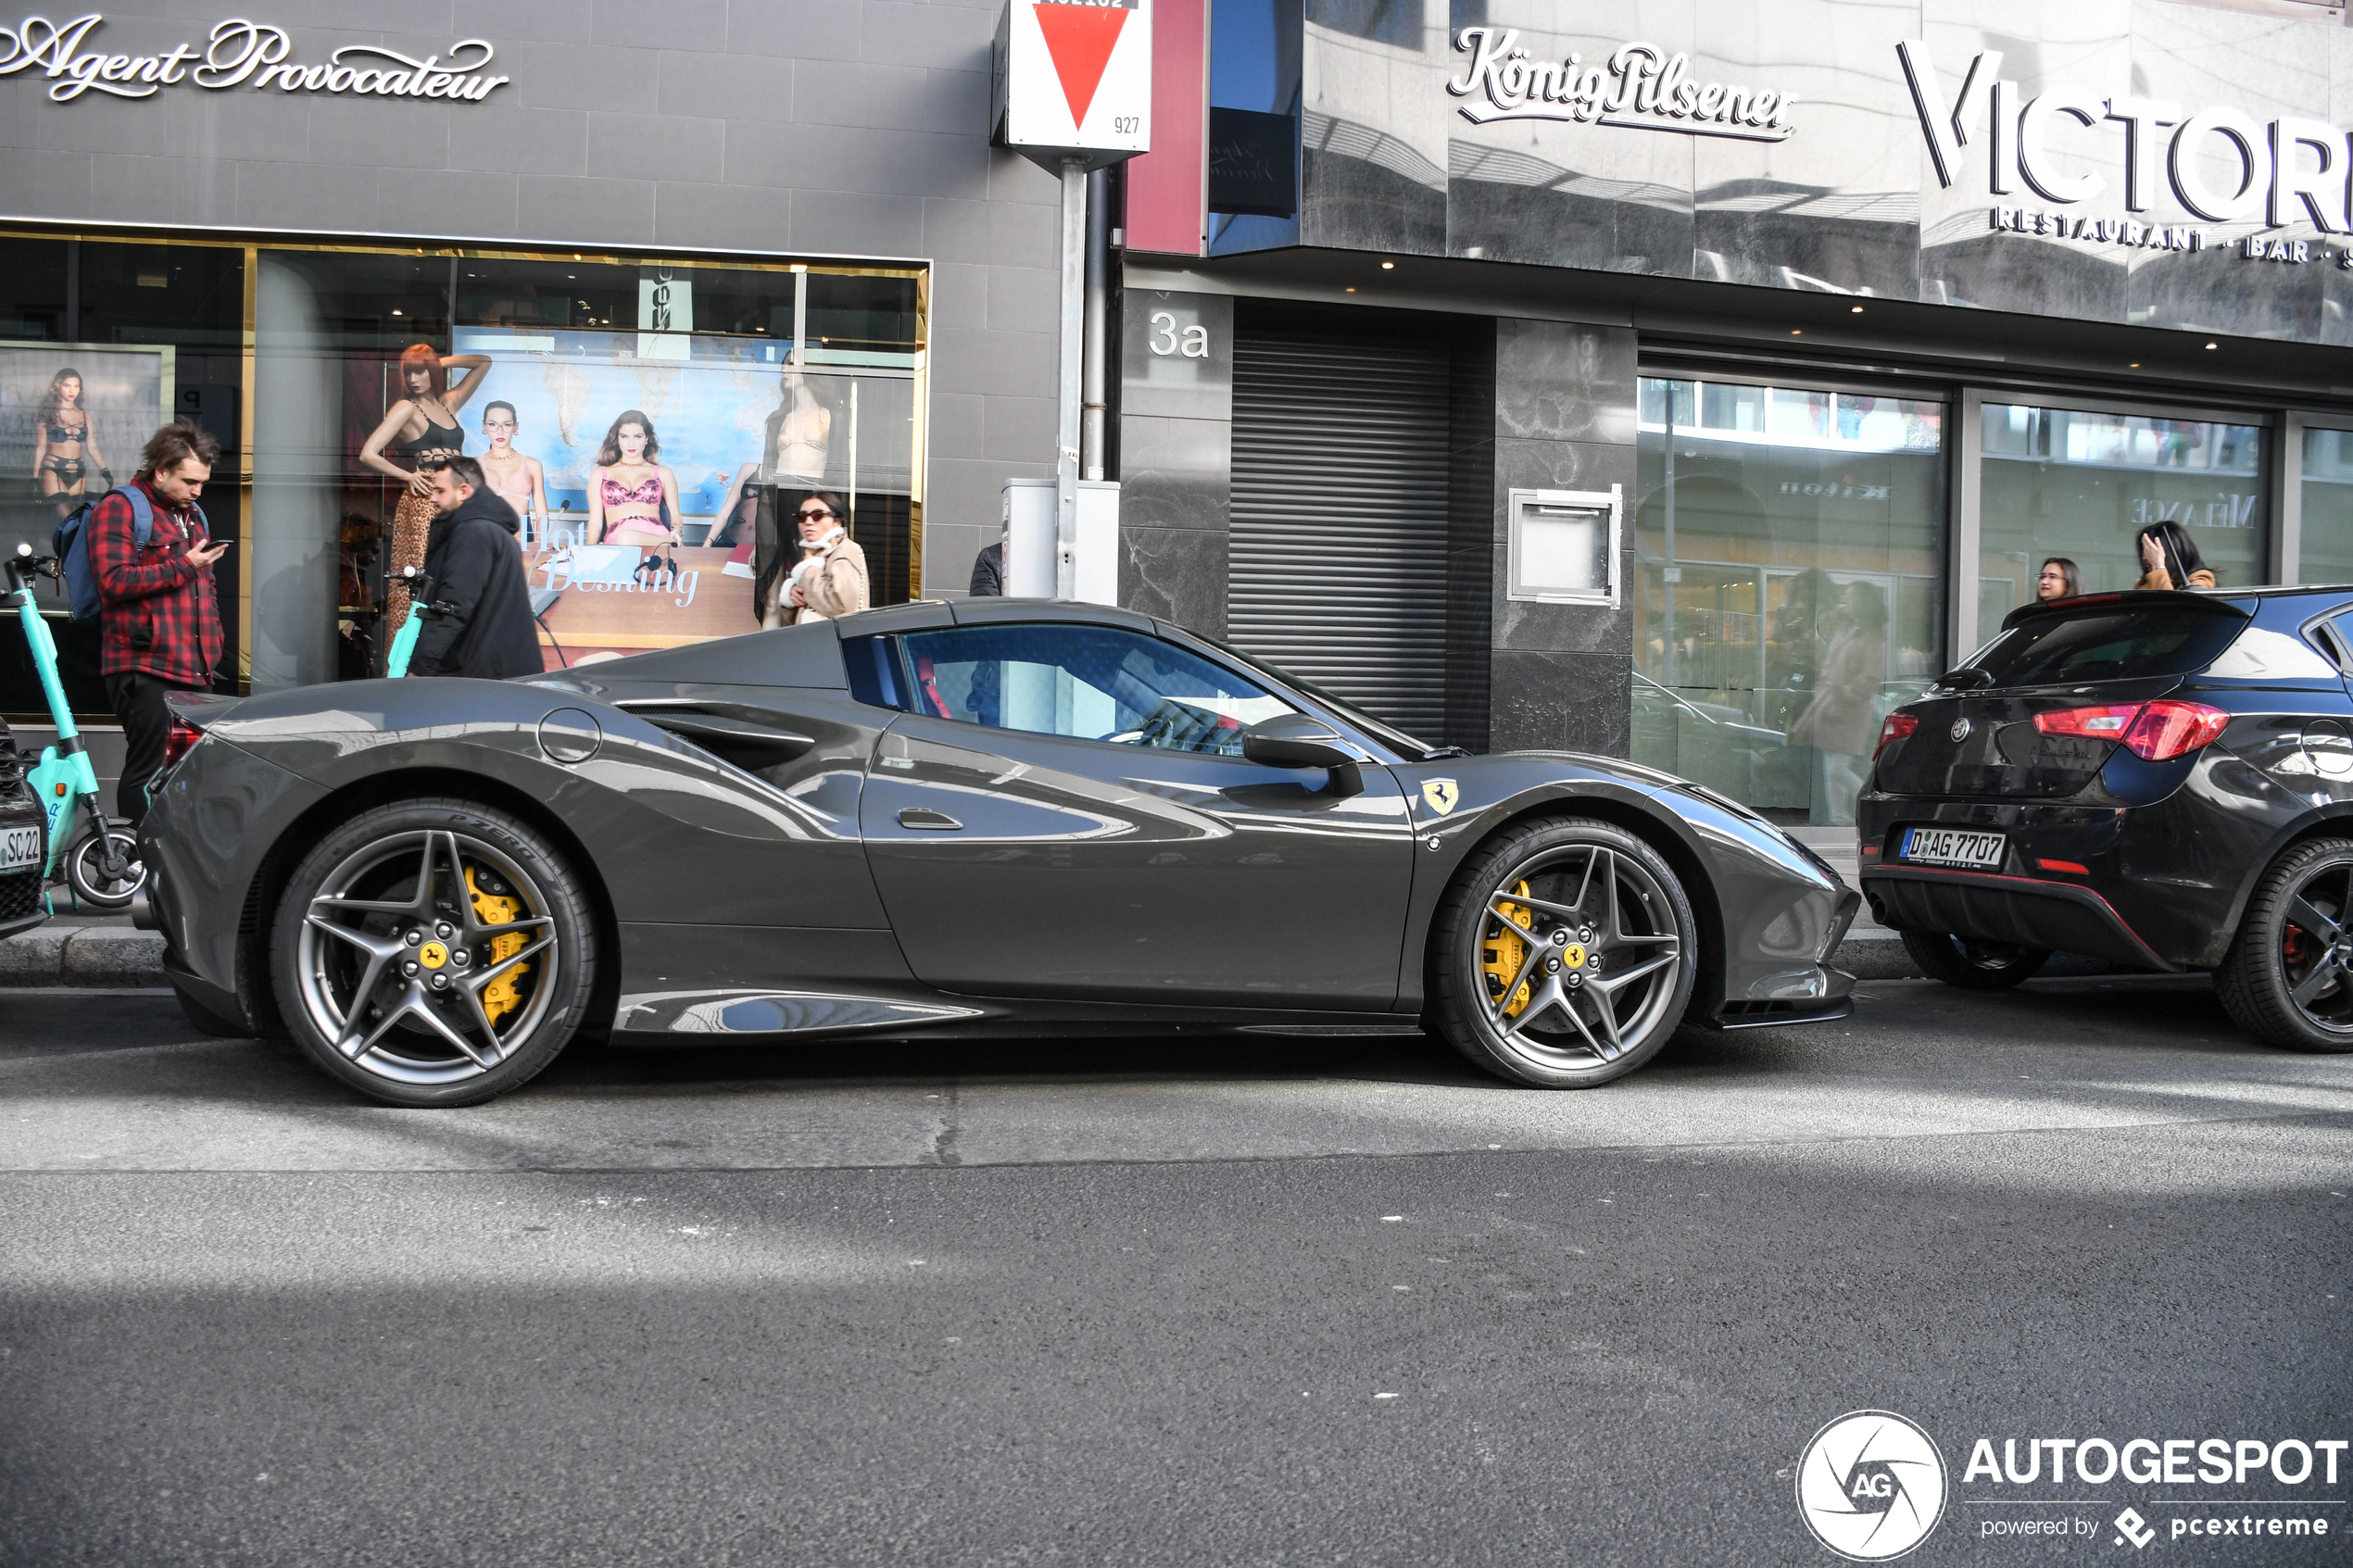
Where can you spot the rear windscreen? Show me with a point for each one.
(2110, 644)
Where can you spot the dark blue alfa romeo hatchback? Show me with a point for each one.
(2162, 779)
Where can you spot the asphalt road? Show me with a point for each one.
(1203, 1301)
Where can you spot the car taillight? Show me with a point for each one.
(176, 744)
(1898, 726)
(2155, 731)
(2108, 722)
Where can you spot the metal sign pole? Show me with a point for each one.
(1074, 345)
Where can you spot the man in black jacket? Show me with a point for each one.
(481, 623)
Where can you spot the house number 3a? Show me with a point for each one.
(1192, 344)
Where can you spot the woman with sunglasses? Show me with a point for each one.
(828, 581)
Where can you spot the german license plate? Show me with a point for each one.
(1952, 847)
(20, 847)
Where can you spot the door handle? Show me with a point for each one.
(924, 817)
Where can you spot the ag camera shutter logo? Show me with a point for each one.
(1870, 1486)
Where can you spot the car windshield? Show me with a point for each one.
(2107, 644)
(1388, 734)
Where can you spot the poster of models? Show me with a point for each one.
(73, 415)
(639, 461)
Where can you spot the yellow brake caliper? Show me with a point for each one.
(1500, 956)
(503, 995)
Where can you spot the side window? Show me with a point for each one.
(1091, 682)
(874, 672)
(2335, 637)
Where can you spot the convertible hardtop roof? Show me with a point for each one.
(927, 614)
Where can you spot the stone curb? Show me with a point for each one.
(103, 955)
(83, 956)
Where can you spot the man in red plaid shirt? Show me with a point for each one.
(160, 623)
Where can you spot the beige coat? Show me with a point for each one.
(2161, 578)
(835, 587)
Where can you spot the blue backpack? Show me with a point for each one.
(71, 542)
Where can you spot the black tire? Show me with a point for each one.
(1537, 1012)
(439, 996)
(204, 1021)
(2288, 977)
(1973, 965)
(84, 870)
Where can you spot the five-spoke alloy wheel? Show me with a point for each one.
(2288, 976)
(432, 953)
(1563, 954)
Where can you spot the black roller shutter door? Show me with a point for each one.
(1337, 571)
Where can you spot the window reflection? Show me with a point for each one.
(1786, 586)
(2081, 485)
(2328, 507)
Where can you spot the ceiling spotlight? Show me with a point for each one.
(1389, 267)
(2213, 345)
(1351, 288)
(1798, 332)
(1855, 309)
(2133, 366)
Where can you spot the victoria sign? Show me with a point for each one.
(239, 54)
(2279, 173)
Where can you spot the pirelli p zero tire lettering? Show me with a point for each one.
(1973, 965)
(432, 953)
(2288, 977)
(1563, 954)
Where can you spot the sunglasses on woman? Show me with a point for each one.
(820, 512)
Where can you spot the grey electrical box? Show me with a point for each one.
(1564, 546)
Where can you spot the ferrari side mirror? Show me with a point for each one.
(1293, 740)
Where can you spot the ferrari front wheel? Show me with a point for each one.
(432, 953)
(1563, 954)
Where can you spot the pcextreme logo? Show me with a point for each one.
(1870, 1486)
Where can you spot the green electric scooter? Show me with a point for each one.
(404, 641)
(94, 854)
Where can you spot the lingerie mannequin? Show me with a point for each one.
(419, 428)
(797, 434)
(520, 479)
(628, 491)
(65, 449)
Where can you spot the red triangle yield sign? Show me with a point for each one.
(1079, 39)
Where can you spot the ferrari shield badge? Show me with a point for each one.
(1441, 794)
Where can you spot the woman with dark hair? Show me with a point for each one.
(2059, 579)
(628, 491)
(418, 429)
(828, 581)
(64, 448)
(2170, 560)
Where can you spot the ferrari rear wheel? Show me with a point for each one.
(2288, 977)
(432, 953)
(1563, 954)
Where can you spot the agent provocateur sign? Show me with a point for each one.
(1641, 87)
(239, 54)
(2280, 173)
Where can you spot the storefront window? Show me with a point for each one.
(653, 425)
(100, 342)
(2327, 555)
(2081, 485)
(1786, 587)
